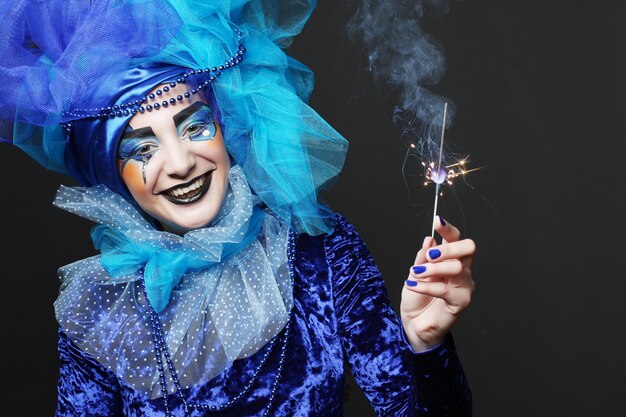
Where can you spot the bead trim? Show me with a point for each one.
(161, 350)
(153, 100)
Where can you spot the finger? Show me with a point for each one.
(442, 269)
(452, 250)
(446, 230)
(437, 289)
(428, 242)
(456, 297)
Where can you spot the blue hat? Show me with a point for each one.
(66, 64)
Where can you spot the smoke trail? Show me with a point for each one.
(403, 57)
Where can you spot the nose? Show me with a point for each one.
(179, 162)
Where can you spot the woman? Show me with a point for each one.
(224, 287)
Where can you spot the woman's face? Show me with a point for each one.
(174, 162)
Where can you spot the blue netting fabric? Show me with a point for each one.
(58, 56)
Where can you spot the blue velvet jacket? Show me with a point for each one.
(341, 315)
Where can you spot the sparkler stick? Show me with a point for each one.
(437, 183)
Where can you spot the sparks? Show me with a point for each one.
(446, 174)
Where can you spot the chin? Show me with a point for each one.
(183, 218)
(188, 224)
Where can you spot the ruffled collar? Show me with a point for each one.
(129, 243)
(222, 292)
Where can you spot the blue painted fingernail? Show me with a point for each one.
(434, 253)
(419, 269)
(411, 283)
(443, 222)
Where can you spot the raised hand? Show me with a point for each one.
(439, 287)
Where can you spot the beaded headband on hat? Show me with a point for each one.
(141, 105)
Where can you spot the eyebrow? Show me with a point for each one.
(181, 116)
(142, 132)
(184, 114)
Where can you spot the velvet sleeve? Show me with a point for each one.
(86, 388)
(396, 380)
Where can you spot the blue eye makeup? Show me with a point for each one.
(137, 145)
(199, 126)
(138, 149)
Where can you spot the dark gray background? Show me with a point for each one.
(538, 87)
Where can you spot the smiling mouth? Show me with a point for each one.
(189, 192)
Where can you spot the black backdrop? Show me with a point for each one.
(538, 87)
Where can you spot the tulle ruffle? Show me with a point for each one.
(214, 315)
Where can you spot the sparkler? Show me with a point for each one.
(439, 176)
(443, 175)
(434, 171)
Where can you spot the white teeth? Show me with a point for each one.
(180, 191)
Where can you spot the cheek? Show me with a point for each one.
(222, 158)
(133, 177)
(216, 150)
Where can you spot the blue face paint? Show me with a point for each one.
(140, 145)
(199, 126)
(137, 148)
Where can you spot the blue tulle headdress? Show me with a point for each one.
(65, 65)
